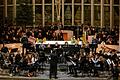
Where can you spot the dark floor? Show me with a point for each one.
(62, 75)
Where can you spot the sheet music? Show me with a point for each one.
(108, 61)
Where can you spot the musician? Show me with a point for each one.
(48, 45)
(40, 35)
(66, 44)
(42, 46)
(7, 39)
(77, 47)
(31, 42)
(49, 35)
(101, 62)
(30, 63)
(42, 58)
(65, 48)
(108, 63)
(73, 39)
(24, 63)
(85, 64)
(60, 36)
(94, 45)
(72, 64)
(56, 45)
(53, 64)
(48, 49)
(17, 63)
(11, 61)
(87, 48)
(54, 36)
(1, 60)
(114, 57)
(31, 39)
(115, 72)
(95, 60)
(24, 41)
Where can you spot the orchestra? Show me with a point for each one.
(79, 58)
(60, 39)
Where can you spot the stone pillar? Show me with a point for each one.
(43, 13)
(63, 13)
(92, 12)
(33, 3)
(111, 14)
(102, 13)
(72, 12)
(53, 11)
(82, 13)
(5, 8)
(119, 26)
(14, 11)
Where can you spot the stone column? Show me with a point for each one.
(43, 13)
(14, 11)
(102, 13)
(119, 26)
(63, 13)
(72, 12)
(5, 8)
(92, 12)
(82, 13)
(53, 11)
(33, 3)
(111, 14)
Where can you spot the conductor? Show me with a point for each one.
(53, 65)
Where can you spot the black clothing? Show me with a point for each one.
(11, 58)
(17, 59)
(87, 50)
(115, 73)
(24, 41)
(1, 60)
(53, 65)
(94, 45)
(4, 49)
